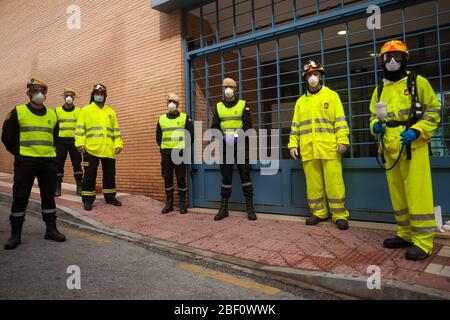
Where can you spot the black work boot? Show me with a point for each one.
(87, 205)
(114, 202)
(78, 188)
(52, 232)
(313, 220)
(16, 232)
(250, 208)
(58, 189)
(415, 253)
(342, 224)
(183, 206)
(396, 242)
(223, 211)
(169, 205)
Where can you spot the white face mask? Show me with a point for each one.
(313, 81)
(172, 107)
(229, 93)
(69, 100)
(38, 98)
(393, 65)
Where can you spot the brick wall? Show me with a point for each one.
(135, 51)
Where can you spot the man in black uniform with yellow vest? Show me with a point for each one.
(29, 132)
(232, 114)
(67, 115)
(169, 138)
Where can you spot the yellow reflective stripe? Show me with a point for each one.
(67, 120)
(306, 131)
(94, 128)
(404, 223)
(85, 164)
(423, 229)
(26, 143)
(340, 128)
(324, 130)
(428, 118)
(318, 208)
(336, 200)
(109, 190)
(431, 109)
(304, 123)
(230, 118)
(311, 201)
(400, 213)
(337, 210)
(173, 139)
(88, 193)
(317, 120)
(36, 129)
(421, 217)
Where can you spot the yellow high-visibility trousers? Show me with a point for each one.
(411, 193)
(324, 183)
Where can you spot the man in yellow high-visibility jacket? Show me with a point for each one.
(29, 133)
(98, 138)
(405, 112)
(319, 129)
(171, 137)
(67, 115)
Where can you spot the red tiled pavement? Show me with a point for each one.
(272, 242)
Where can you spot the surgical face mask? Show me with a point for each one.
(313, 81)
(38, 98)
(393, 65)
(69, 100)
(99, 98)
(229, 93)
(172, 107)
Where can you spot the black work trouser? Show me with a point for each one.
(25, 171)
(226, 169)
(167, 169)
(75, 157)
(90, 164)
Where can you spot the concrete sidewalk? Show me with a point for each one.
(276, 246)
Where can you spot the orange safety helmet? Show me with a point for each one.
(311, 66)
(394, 46)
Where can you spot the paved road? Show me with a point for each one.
(116, 269)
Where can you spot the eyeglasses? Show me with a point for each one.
(397, 55)
(36, 89)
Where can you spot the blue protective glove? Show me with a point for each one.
(408, 136)
(378, 128)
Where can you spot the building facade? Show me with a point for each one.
(141, 50)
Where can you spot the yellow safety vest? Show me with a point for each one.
(231, 118)
(36, 133)
(67, 121)
(171, 137)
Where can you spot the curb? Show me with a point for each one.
(340, 285)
